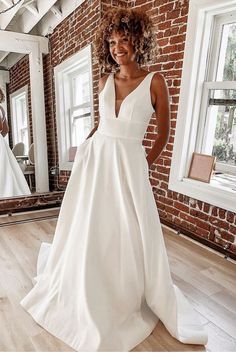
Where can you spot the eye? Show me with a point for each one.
(111, 42)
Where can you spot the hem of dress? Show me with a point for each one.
(149, 330)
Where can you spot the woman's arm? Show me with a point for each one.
(92, 131)
(160, 95)
(4, 128)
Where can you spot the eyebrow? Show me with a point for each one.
(121, 36)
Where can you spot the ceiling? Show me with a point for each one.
(38, 17)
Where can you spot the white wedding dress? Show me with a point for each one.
(12, 180)
(105, 281)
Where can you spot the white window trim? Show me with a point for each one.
(23, 89)
(200, 19)
(202, 139)
(63, 132)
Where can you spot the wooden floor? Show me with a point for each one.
(207, 279)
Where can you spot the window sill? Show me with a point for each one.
(217, 192)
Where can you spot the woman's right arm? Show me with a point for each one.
(4, 128)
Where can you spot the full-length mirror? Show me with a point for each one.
(23, 147)
(17, 174)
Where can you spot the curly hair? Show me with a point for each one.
(2, 96)
(134, 23)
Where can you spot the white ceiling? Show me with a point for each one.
(38, 17)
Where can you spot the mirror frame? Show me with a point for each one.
(35, 47)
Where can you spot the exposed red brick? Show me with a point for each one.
(214, 211)
(187, 217)
(230, 217)
(219, 223)
(172, 210)
(202, 232)
(181, 207)
(202, 224)
(222, 213)
(232, 229)
(226, 236)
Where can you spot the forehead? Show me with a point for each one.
(118, 34)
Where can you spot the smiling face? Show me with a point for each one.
(121, 48)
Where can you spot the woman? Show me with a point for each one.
(106, 281)
(12, 180)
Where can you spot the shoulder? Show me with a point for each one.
(158, 79)
(102, 82)
(158, 84)
(159, 90)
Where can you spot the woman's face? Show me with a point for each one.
(121, 48)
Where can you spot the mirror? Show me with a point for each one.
(23, 145)
(17, 176)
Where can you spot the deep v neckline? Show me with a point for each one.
(129, 94)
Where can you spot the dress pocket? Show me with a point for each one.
(81, 150)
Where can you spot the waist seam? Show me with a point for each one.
(119, 136)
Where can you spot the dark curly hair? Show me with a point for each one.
(134, 23)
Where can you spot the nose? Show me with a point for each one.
(118, 45)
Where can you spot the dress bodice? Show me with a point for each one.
(134, 113)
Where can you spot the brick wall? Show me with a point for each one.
(211, 225)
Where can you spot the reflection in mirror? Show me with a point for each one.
(21, 80)
(16, 138)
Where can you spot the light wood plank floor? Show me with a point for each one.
(207, 279)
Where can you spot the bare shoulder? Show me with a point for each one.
(158, 84)
(102, 82)
(159, 90)
(158, 79)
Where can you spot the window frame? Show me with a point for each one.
(63, 92)
(200, 144)
(195, 68)
(13, 97)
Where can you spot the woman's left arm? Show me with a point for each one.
(159, 93)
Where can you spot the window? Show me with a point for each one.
(206, 121)
(19, 117)
(80, 111)
(217, 134)
(74, 102)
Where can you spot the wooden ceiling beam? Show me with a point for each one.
(56, 11)
(8, 3)
(6, 17)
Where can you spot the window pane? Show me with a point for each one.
(226, 70)
(20, 121)
(222, 127)
(80, 86)
(81, 125)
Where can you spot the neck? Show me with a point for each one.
(129, 71)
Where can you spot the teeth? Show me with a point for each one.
(120, 55)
